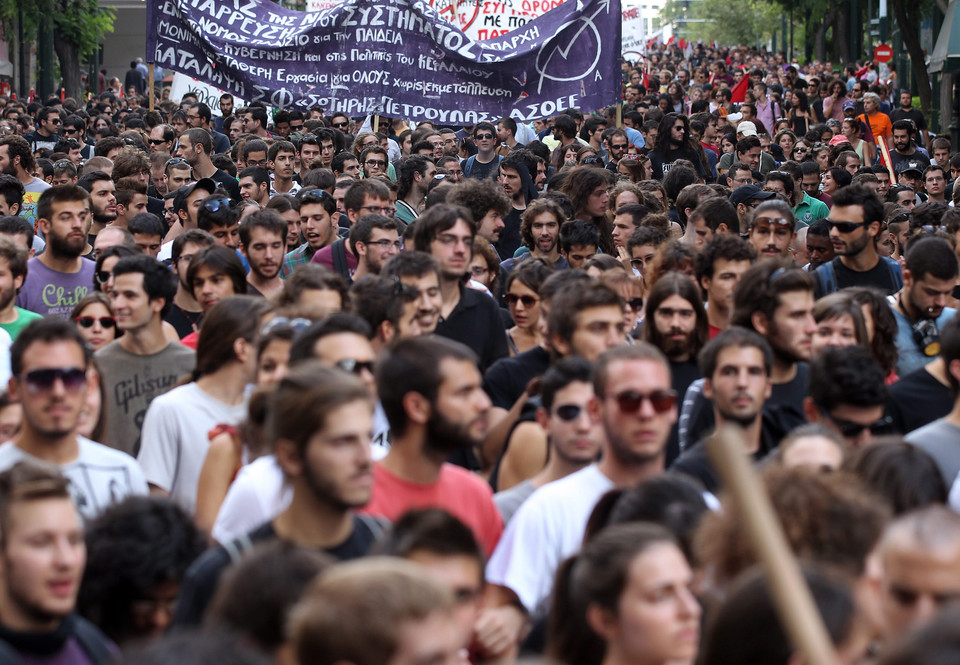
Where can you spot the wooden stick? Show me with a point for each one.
(791, 596)
(150, 86)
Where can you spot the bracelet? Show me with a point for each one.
(221, 429)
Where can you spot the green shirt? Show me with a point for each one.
(809, 211)
(24, 319)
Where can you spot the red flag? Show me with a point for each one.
(646, 80)
(683, 43)
(672, 38)
(739, 92)
(861, 72)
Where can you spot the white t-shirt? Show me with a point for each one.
(174, 441)
(99, 477)
(256, 495)
(546, 529)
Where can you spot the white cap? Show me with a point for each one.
(747, 129)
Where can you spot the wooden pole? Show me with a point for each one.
(150, 86)
(376, 124)
(792, 598)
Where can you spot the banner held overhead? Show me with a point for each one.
(393, 57)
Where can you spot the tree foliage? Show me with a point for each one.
(78, 28)
(749, 22)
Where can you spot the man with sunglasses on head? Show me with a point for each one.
(196, 146)
(50, 366)
(142, 363)
(317, 226)
(736, 365)
(855, 220)
(636, 407)
(220, 218)
(847, 392)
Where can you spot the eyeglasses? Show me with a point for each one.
(379, 163)
(845, 227)
(355, 366)
(630, 401)
(67, 130)
(42, 380)
(483, 137)
(478, 271)
(103, 276)
(297, 324)
(56, 121)
(383, 210)
(800, 149)
(568, 412)
(384, 244)
(88, 321)
(852, 430)
(528, 301)
(215, 205)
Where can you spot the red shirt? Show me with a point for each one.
(459, 492)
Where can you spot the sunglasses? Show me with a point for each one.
(568, 412)
(157, 141)
(88, 321)
(355, 366)
(63, 163)
(528, 301)
(297, 324)
(483, 137)
(71, 131)
(845, 227)
(341, 125)
(852, 430)
(314, 196)
(43, 380)
(635, 303)
(217, 204)
(103, 276)
(630, 401)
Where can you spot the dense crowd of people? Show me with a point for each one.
(293, 387)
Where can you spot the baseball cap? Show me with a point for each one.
(734, 117)
(910, 165)
(747, 193)
(839, 138)
(849, 104)
(747, 129)
(209, 185)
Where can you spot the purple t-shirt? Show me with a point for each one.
(71, 654)
(52, 293)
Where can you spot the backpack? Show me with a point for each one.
(468, 165)
(828, 277)
(339, 251)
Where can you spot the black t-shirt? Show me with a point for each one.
(909, 114)
(682, 375)
(781, 413)
(661, 163)
(479, 170)
(510, 235)
(696, 464)
(917, 399)
(476, 323)
(881, 276)
(203, 576)
(228, 183)
(183, 322)
(506, 379)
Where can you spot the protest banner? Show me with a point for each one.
(395, 57)
(207, 94)
(632, 43)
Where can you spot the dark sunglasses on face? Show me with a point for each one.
(42, 380)
(528, 301)
(341, 125)
(88, 321)
(630, 401)
(355, 366)
(635, 303)
(483, 137)
(568, 412)
(103, 276)
(852, 430)
(157, 141)
(845, 227)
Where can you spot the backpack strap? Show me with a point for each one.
(237, 547)
(94, 642)
(377, 526)
(340, 259)
(471, 160)
(895, 271)
(827, 277)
